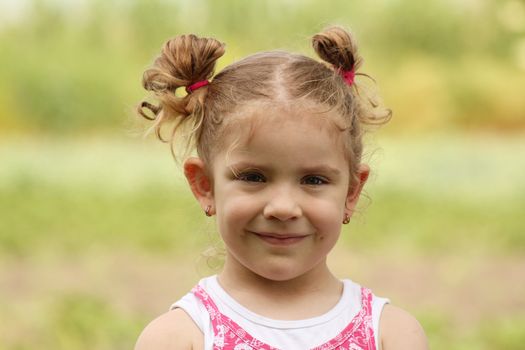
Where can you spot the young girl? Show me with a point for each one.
(278, 141)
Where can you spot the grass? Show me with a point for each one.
(93, 234)
(73, 321)
(428, 195)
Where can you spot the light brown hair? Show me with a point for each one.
(198, 118)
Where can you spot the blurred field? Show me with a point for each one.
(87, 194)
(98, 244)
(99, 234)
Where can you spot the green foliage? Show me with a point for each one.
(508, 334)
(86, 322)
(443, 224)
(77, 220)
(505, 333)
(75, 321)
(69, 70)
(67, 196)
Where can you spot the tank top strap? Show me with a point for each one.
(367, 300)
(228, 335)
(359, 333)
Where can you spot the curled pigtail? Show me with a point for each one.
(337, 47)
(185, 61)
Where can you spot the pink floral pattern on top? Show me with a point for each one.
(357, 335)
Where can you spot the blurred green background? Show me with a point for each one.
(99, 234)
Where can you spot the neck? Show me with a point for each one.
(308, 295)
(236, 279)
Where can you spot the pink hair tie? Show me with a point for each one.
(348, 76)
(197, 85)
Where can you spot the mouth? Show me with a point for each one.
(280, 239)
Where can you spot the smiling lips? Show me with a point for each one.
(282, 240)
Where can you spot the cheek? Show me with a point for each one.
(234, 208)
(327, 214)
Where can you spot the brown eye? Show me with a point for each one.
(251, 177)
(314, 180)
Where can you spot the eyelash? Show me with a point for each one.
(246, 177)
(320, 180)
(256, 177)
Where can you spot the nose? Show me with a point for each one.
(282, 205)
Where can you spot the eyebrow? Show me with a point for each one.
(322, 168)
(243, 165)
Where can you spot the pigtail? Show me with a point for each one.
(185, 61)
(337, 47)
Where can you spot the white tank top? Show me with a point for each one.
(281, 334)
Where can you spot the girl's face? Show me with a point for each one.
(281, 196)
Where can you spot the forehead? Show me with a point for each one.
(281, 129)
(257, 116)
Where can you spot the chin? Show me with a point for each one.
(278, 274)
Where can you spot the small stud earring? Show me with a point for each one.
(207, 210)
(346, 220)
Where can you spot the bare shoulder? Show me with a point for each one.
(400, 330)
(174, 330)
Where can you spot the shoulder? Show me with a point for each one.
(174, 330)
(400, 330)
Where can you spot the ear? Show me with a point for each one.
(200, 182)
(354, 191)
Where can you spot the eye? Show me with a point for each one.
(314, 180)
(251, 177)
